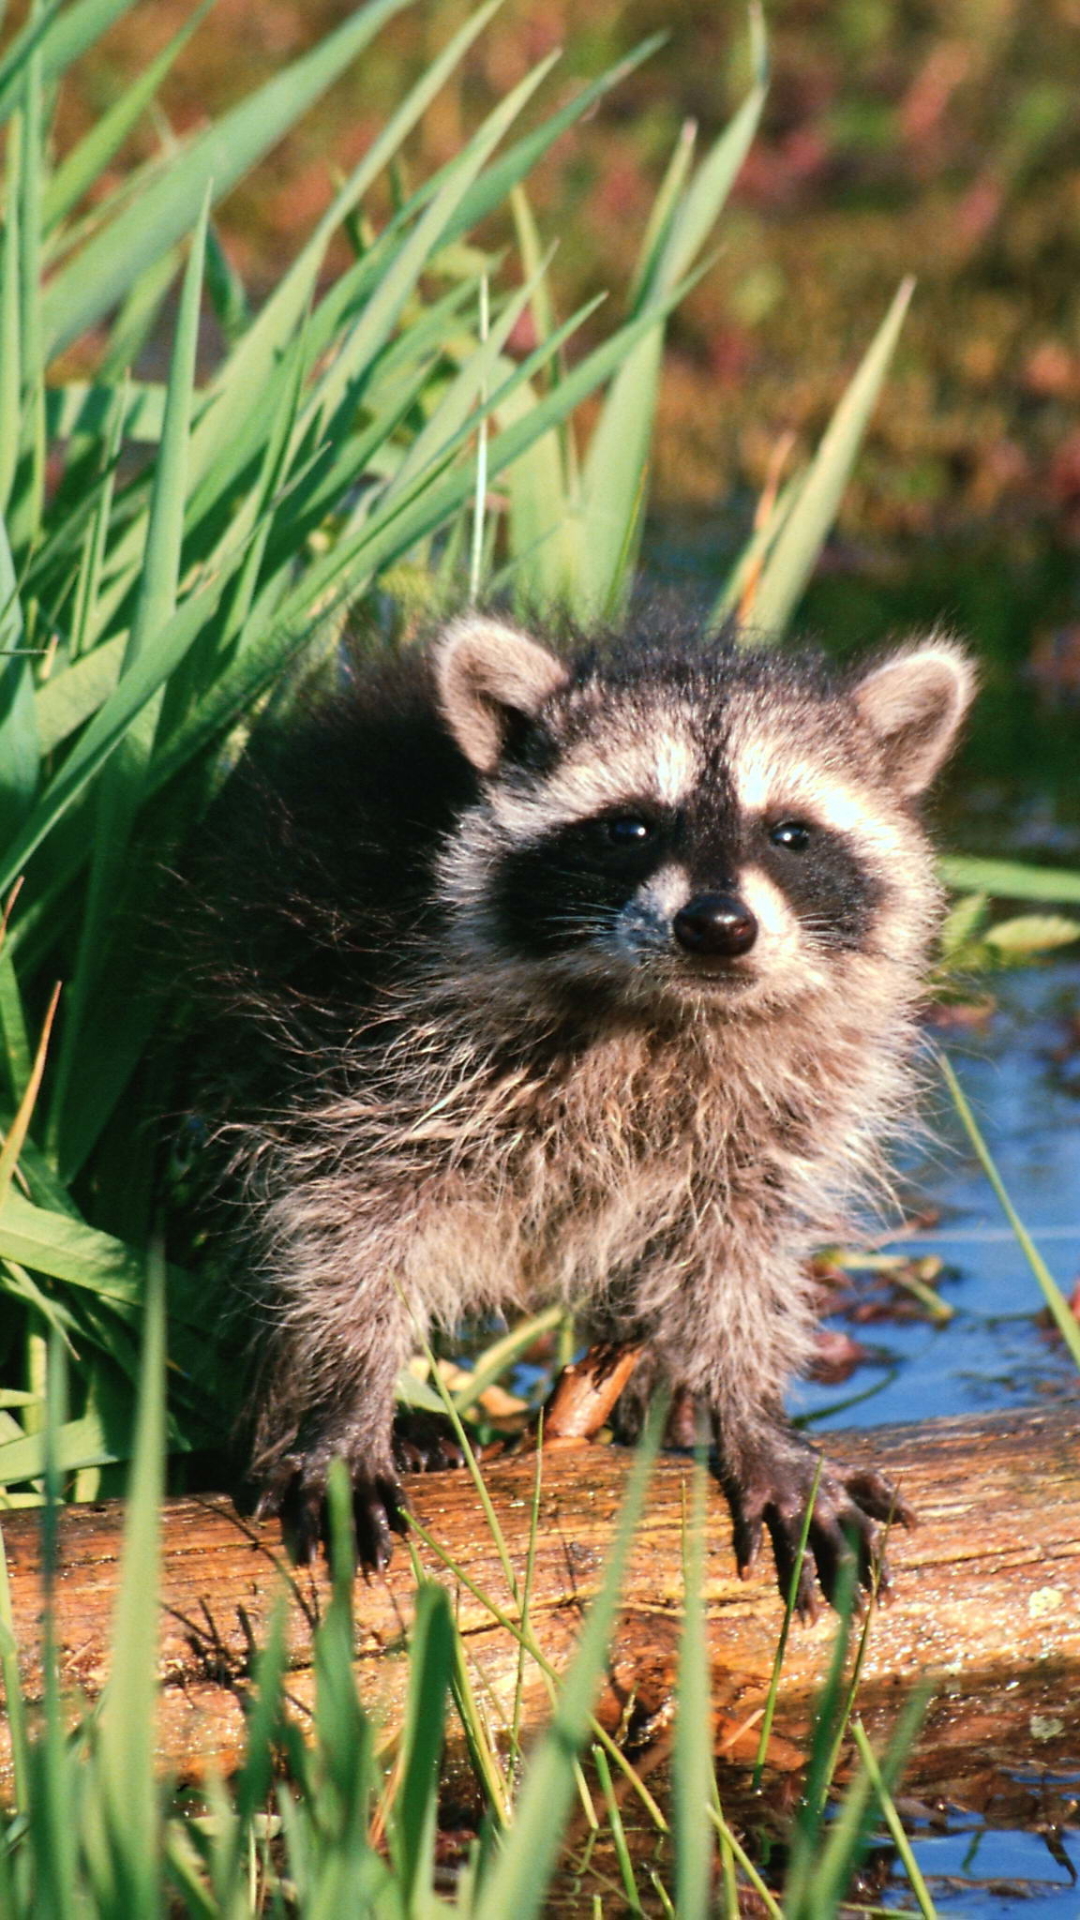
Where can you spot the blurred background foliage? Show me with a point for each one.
(936, 137)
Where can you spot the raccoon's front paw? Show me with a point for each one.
(773, 1489)
(425, 1442)
(297, 1493)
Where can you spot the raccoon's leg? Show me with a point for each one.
(328, 1393)
(731, 1348)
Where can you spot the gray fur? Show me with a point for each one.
(660, 1142)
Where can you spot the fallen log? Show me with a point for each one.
(986, 1604)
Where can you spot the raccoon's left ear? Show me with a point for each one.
(914, 704)
(490, 679)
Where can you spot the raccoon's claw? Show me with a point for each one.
(300, 1501)
(425, 1443)
(848, 1508)
(377, 1511)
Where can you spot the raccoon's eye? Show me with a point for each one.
(790, 834)
(629, 830)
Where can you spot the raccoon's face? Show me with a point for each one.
(727, 832)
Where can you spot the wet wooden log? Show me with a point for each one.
(986, 1603)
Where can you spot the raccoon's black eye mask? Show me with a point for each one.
(824, 878)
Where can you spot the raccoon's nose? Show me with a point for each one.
(716, 925)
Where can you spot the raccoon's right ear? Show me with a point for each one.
(490, 678)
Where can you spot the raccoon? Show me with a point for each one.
(585, 976)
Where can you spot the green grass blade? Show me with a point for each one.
(615, 466)
(694, 1780)
(752, 558)
(85, 164)
(138, 315)
(156, 603)
(661, 214)
(790, 1599)
(19, 752)
(843, 1842)
(613, 482)
(618, 1833)
(60, 33)
(518, 1878)
(386, 537)
(431, 1669)
(120, 791)
(544, 486)
(259, 509)
(535, 258)
(14, 1044)
(494, 185)
(20, 53)
(29, 133)
(536, 1654)
(345, 570)
(792, 560)
(225, 286)
(20, 1124)
(76, 1444)
(498, 1357)
(86, 407)
(264, 1719)
(10, 348)
(66, 1248)
(374, 325)
(90, 284)
(697, 213)
(1010, 879)
(253, 359)
(111, 723)
(1064, 1319)
(892, 1820)
(92, 556)
(126, 1841)
(457, 402)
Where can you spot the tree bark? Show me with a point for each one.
(985, 1607)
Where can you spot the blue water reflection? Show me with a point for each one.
(1021, 1073)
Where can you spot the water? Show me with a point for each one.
(973, 1870)
(1021, 1074)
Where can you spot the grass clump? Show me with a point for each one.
(344, 1817)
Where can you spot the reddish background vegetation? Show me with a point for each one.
(937, 137)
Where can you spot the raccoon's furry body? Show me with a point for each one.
(591, 981)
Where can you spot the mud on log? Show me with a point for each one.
(986, 1603)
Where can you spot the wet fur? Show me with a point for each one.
(424, 1121)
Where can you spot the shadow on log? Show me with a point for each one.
(986, 1604)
